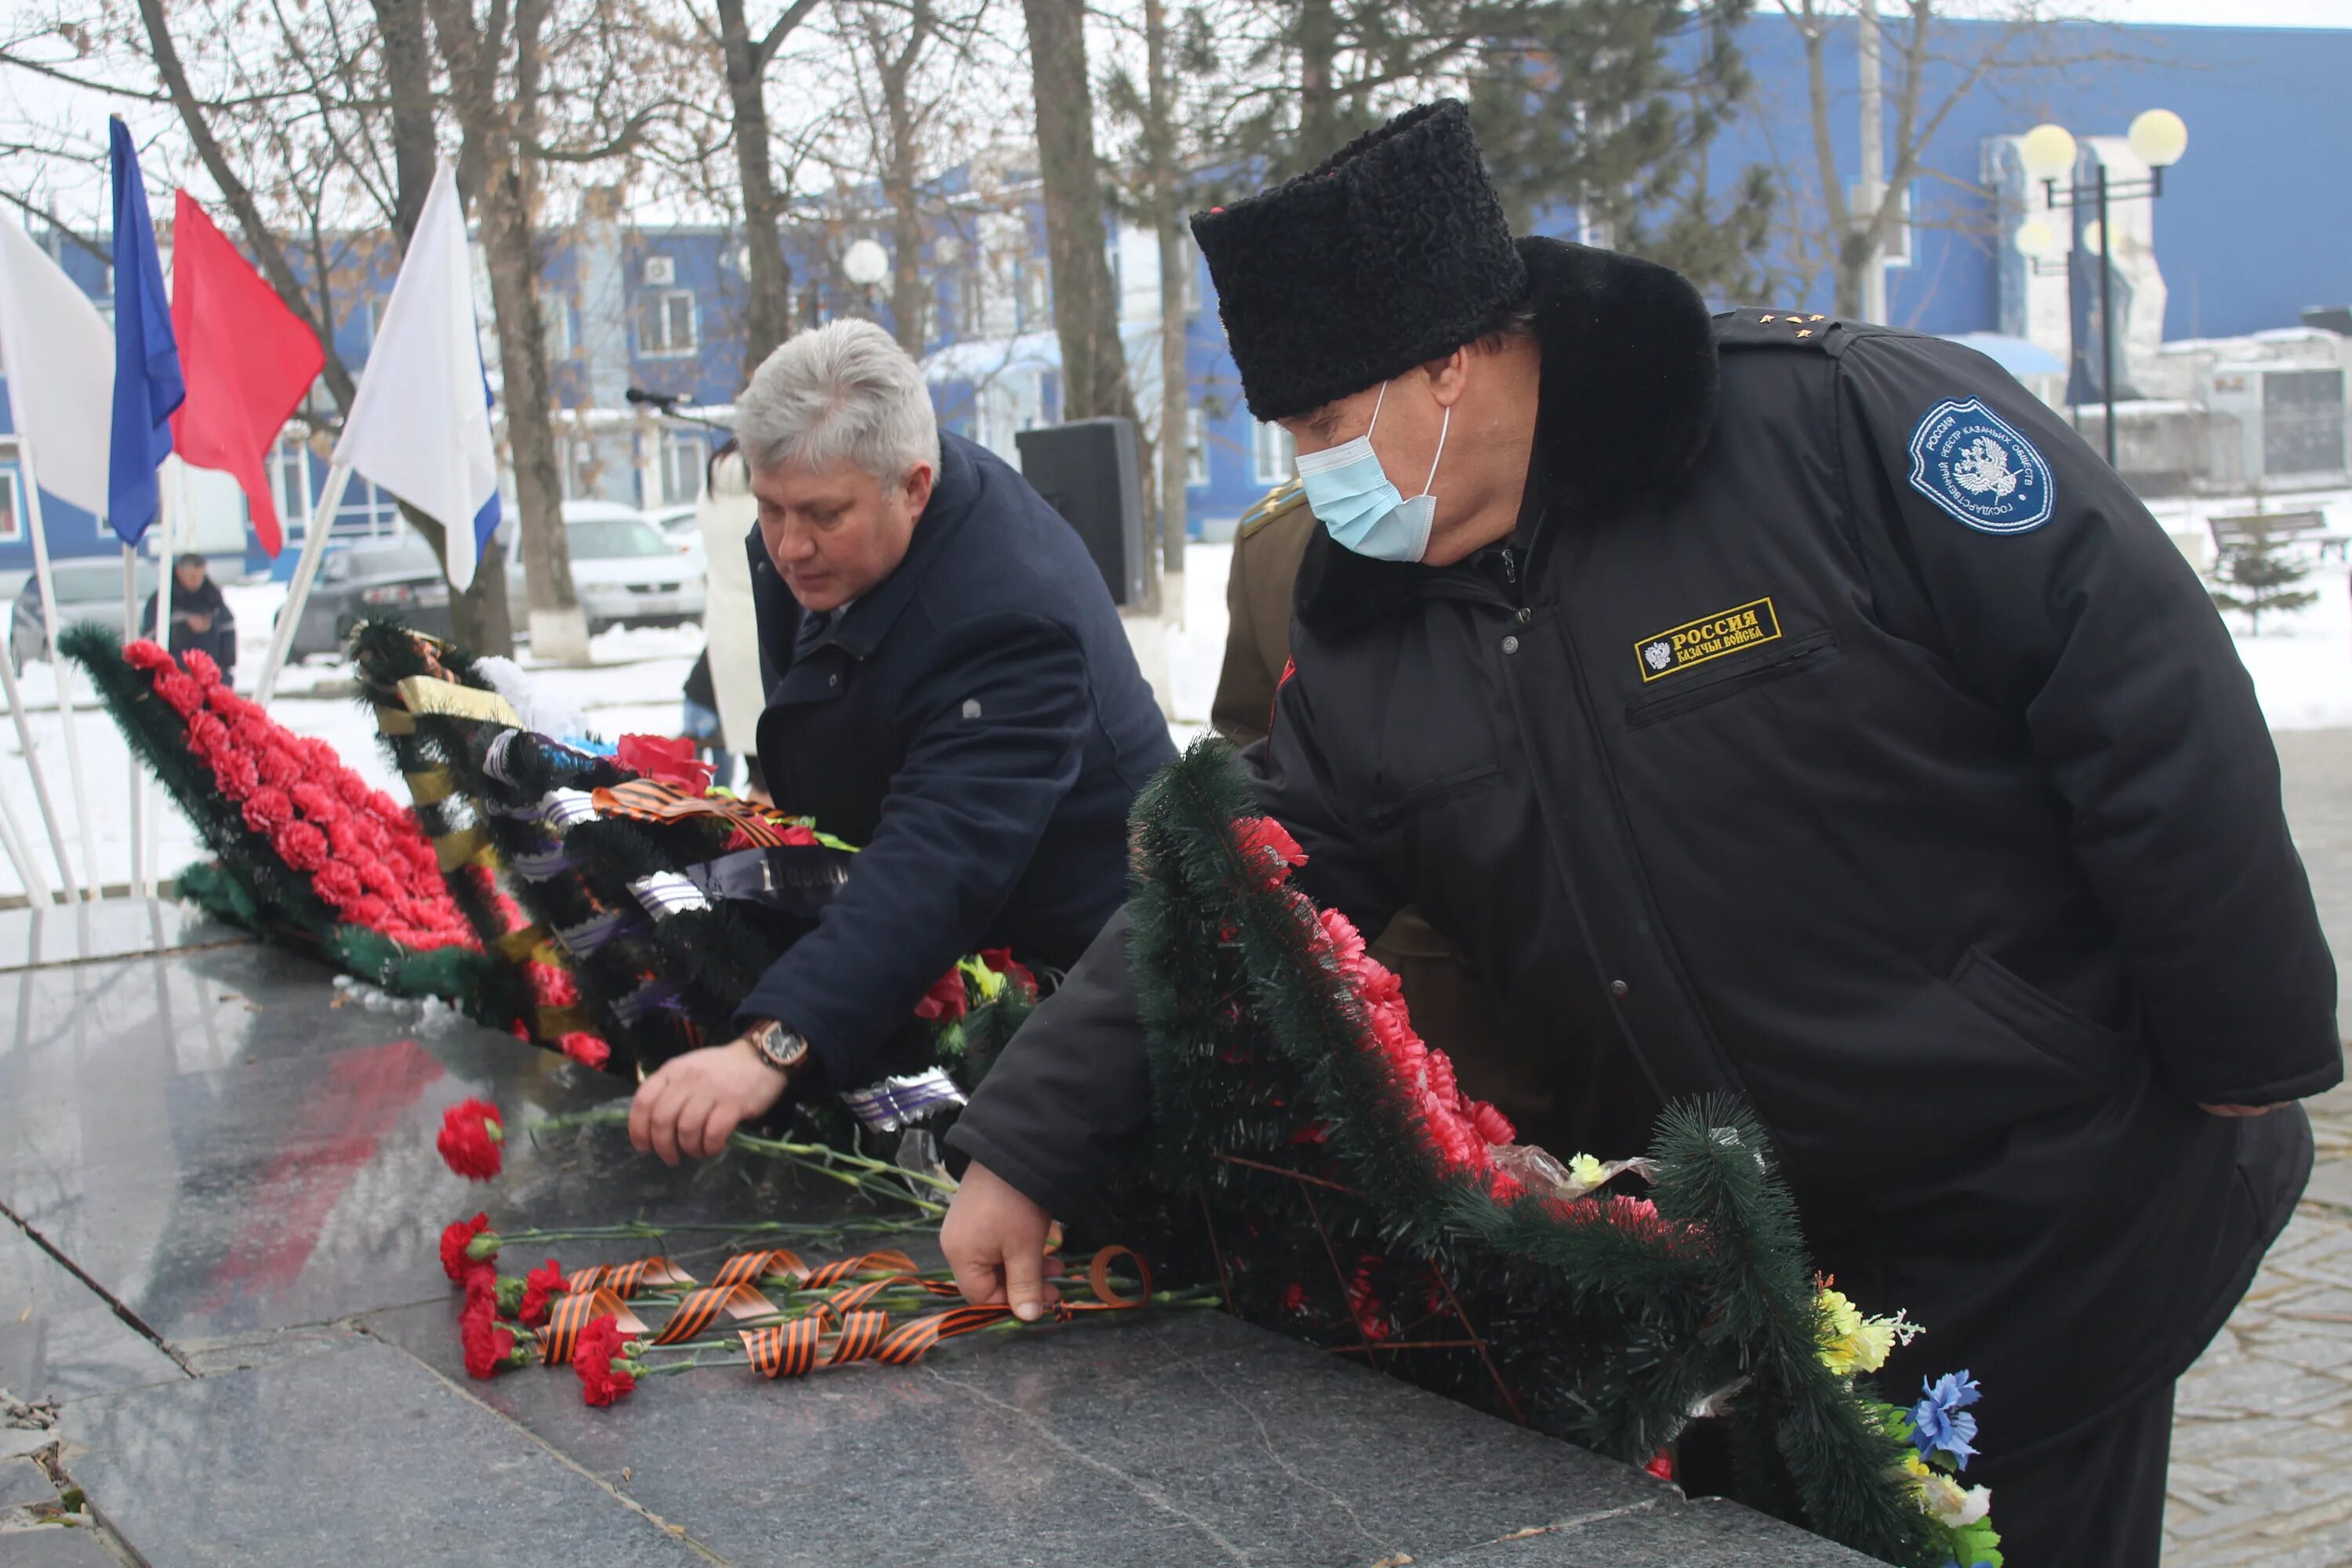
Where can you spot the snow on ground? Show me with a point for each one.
(2302, 665)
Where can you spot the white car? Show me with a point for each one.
(628, 572)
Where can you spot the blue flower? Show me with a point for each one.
(1939, 1423)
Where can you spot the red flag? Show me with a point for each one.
(248, 361)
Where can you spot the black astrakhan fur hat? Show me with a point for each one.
(1393, 252)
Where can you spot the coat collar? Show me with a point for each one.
(1628, 403)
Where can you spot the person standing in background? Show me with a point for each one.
(202, 621)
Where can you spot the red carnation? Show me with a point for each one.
(337, 883)
(798, 836)
(234, 771)
(253, 729)
(300, 846)
(385, 808)
(600, 1359)
(1268, 846)
(455, 1241)
(199, 664)
(553, 987)
(206, 736)
(490, 1345)
(1661, 1464)
(672, 762)
(1492, 1124)
(321, 754)
(281, 769)
(585, 1048)
(353, 789)
(945, 1002)
(539, 1286)
(147, 655)
(226, 702)
(472, 1133)
(1001, 960)
(180, 693)
(267, 809)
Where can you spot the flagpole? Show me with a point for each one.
(169, 505)
(305, 572)
(138, 877)
(58, 664)
(20, 853)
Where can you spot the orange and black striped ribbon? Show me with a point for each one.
(651, 800)
(573, 1311)
(790, 1349)
(625, 1280)
(746, 1267)
(696, 1311)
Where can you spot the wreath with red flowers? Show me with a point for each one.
(1318, 1162)
(307, 851)
(655, 968)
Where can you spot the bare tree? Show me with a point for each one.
(1085, 307)
(1844, 221)
(745, 59)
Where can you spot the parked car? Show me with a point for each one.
(88, 591)
(397, 576)
(628, 572)
(625, 571)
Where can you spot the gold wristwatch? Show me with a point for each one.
(786, 1050)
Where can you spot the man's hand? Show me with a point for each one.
(695, 1102)
(2240, 1109)
(994, 1239)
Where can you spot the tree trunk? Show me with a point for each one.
(767, 310)
(900, 175)
(1085, 314)
(1175, 387)
(408, 82)
(559, 632)
(1319, 93)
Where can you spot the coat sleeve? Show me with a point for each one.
(1069, 1098)
(2074, 612)
(998, 727)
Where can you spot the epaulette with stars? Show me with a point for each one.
(1752, 327)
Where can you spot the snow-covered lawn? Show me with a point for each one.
(2302, 665)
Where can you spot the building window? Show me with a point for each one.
(1196, 446)
(10, 527)
(1036, 294)
(665, 323)
(580, 469)
(683, 455)
(1274, 456)
(289, 480)
(555, 322)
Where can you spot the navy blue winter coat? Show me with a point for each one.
(977, 723)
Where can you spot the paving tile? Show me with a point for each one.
(59, 1338)
(290, 1465)
(23, 1481)
(56, 1546)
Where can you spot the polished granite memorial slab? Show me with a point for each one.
(111, 928)
(246, 1171)
(59, 1338)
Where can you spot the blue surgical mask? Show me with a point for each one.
(1350, 494)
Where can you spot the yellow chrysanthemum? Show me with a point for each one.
(1586, 1172)
(1850, 1342)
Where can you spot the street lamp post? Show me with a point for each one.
(2157, 138)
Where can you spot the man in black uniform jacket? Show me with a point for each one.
(1800, 709)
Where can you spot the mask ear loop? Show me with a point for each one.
(1429, 484)
(1377, 400)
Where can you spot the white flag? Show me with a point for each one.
(420, 427)
(59, 356)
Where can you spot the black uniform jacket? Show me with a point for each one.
(1842, 732)
(976, 721)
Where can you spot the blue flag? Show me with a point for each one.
(147, 381)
